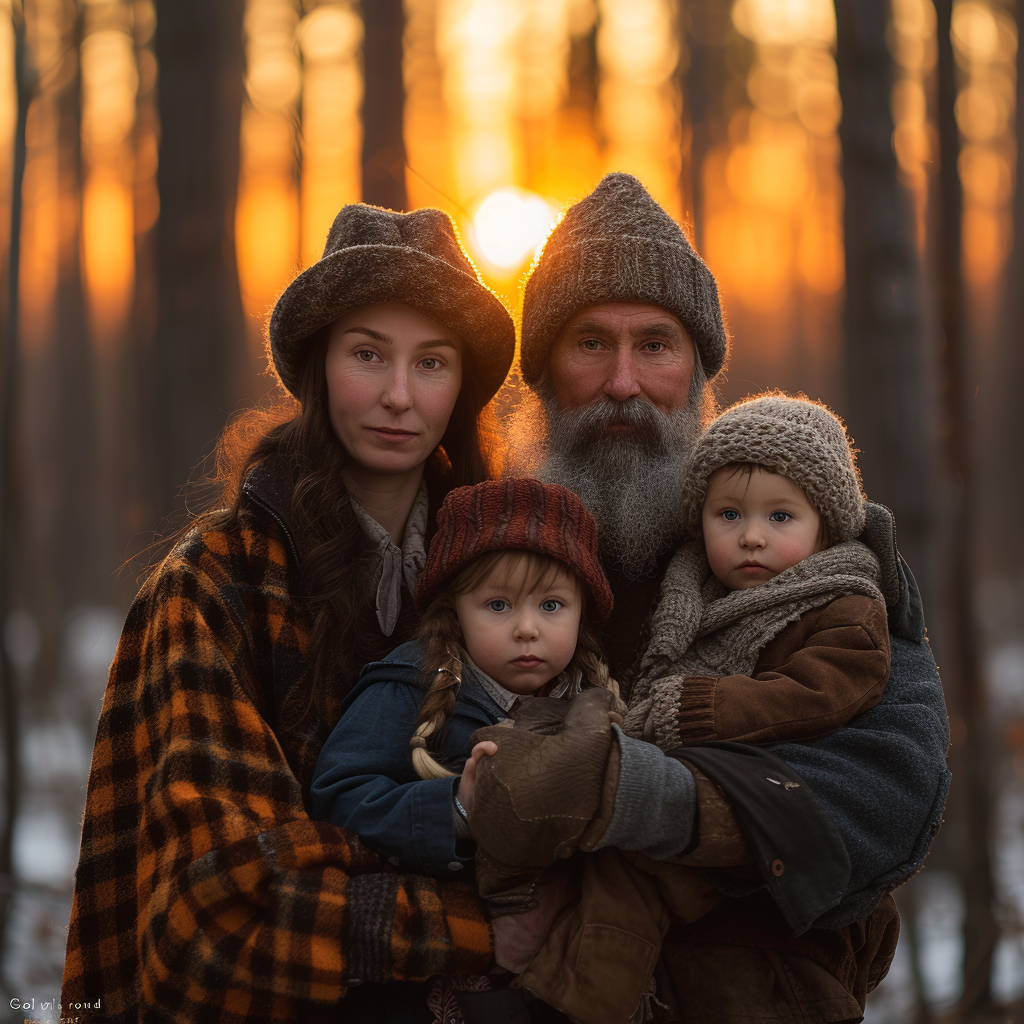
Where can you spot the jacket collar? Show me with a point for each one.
(269, 488)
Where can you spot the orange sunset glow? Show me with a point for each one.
(491, 108)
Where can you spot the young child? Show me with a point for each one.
(510, 591)
(770, 627)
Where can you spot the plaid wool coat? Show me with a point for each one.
(204, 891)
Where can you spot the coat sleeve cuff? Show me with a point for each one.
(654, 803)
(695, 714)
(370, 903)
(408, 928)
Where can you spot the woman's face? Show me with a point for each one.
(393, 376)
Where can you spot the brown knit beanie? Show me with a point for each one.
(519, 514)
(619, 245)
(798, 438)
(375, 255)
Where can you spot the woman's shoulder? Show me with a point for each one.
(242, 548)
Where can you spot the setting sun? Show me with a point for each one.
(510, 225)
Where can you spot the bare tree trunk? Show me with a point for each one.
(383, 105)
(963, 674)
(70, 434)
(886, 399)
(9, 493)
(1005, 457)
(708, 31)
(585, 71)
(199, 352)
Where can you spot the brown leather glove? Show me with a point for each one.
(537, 794)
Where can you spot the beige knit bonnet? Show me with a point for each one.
(618, 245)
(798, 438)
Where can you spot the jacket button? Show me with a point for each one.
(455, 866)
(777, 867)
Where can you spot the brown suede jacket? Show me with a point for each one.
(815, 676)
(818, 673)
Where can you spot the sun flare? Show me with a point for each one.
(510, 226)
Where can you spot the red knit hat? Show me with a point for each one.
(518, 514)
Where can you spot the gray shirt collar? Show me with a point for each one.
(566, 685)
(393, 563)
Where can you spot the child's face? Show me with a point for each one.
(756, 525)
(521, 639)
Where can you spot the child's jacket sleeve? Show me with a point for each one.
(819, 673)
(204, 891)
(364, 781)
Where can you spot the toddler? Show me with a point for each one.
(770, 627)
(509, 593)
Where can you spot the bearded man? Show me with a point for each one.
(622, 334)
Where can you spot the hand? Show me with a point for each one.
(536, 796)
(467, 784)
(518, 937)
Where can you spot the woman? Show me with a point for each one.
(203, 891)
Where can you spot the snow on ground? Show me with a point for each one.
(56, 762)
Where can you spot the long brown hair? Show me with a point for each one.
(441, 637)
(335, 564)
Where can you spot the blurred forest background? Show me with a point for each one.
(847, 170)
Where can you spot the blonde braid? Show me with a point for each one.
(589, 661)
(439, 632)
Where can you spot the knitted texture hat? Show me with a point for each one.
(518, 514)
(619, 245)
(795, 437)
(375, 255)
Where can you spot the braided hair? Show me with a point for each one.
(440, 635)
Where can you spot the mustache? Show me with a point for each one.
(594, 421)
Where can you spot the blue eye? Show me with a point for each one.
(730, 515)
(551, 605)
(497, 605)
(780, 517)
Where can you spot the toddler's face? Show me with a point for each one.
(522, 639)
(756, 524)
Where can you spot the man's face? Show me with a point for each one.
(624, 398)
(622, 350)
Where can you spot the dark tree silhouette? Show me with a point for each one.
(383, 105)
(584, 72)
(886, 399)
(707, 31)
(68, 438)
(10, 496)
(199, 354)
(1006, 422)
(972, 782)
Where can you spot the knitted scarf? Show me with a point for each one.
(699, 628)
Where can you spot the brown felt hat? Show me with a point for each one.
(619, 245)
(376, 255)
(519, 514)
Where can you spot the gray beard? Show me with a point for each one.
(631, 480)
